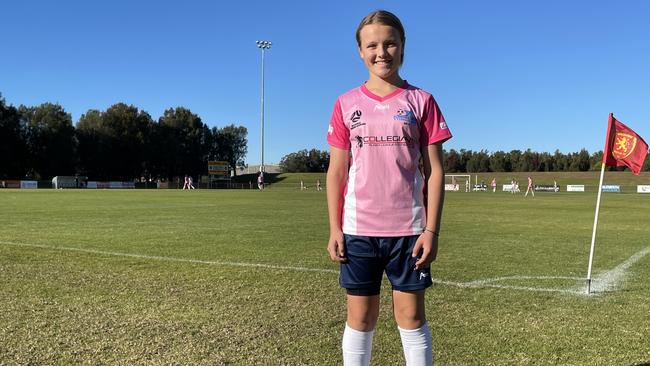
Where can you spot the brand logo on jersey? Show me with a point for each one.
(443, 125)
(406, 116)
(359, 141)
(355, 116)
(355, 120)
(381, 107)
(423, 275)
(330, 130)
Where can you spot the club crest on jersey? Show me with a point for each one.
(406, 116)
(624, 144)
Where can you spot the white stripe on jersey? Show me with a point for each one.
(350, 206)
(418, 201)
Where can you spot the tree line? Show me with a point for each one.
(120, 143)
(468, 161)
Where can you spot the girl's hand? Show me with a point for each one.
(426, 247)
(336, 247)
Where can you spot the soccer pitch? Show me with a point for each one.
(243, 278)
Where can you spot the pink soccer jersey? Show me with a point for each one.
(384, 195)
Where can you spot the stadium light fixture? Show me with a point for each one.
(262, 45)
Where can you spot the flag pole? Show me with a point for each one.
(593, 235)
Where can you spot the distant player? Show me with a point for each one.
(531, 187)
(260, 181)
(186, 183)
(318, 186)
(404, 241)
(189, 183)
(494, 185)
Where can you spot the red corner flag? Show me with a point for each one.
(624, 147)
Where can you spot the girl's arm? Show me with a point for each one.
(337, 176)
(426, 247)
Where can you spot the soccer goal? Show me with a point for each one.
(458, 182)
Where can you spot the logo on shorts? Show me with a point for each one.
(423, 275)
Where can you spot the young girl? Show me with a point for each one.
(384, 213)
(531, 187)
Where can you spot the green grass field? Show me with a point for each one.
(231, 277)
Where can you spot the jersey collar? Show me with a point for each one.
(376, 97)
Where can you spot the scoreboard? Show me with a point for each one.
(219, 169)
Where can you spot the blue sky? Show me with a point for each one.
(507, 74)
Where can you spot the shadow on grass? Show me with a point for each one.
(642, 364)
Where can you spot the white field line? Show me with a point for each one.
(172, 259)
(608, 280)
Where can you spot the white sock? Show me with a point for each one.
(357, 347)
(417, 346)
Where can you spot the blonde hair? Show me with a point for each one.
(383, 17)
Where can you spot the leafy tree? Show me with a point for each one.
(303, 161)
(182, 144)
(499, 162)
(515, 160)
(546, 163)
(50, 139)
(232, 145)
(451, 161)
(478, 162)
(127, 132)
(596, 160)
(528, 162)
(93, 146)
(579, 161)
(13, 147)
(561, 161)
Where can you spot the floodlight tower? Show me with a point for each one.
(263, 45)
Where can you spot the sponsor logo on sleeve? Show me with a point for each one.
(443, 125)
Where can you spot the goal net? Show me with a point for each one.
(458, 182)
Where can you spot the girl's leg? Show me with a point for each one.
(408, 308)
(363, 312)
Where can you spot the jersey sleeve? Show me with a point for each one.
(338, 135)
(434, 127)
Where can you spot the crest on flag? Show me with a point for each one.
(624, 144)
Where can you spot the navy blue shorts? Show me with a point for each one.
(368, 257)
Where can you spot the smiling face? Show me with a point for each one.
(381, 49)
